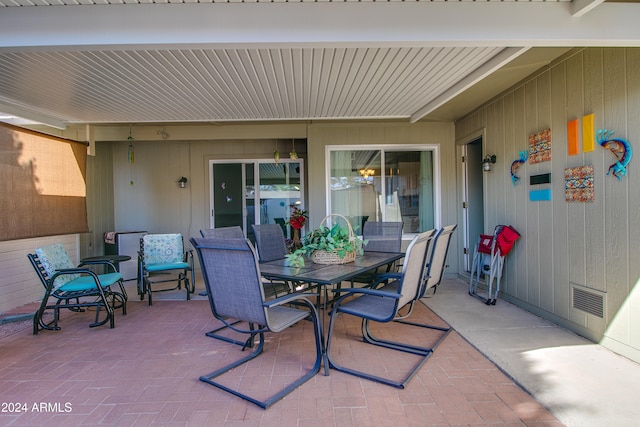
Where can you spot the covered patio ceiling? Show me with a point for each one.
(89, 62)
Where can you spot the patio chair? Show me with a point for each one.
(74, 288)
(436, 259)
(271, 246)
(380, 237)
(382, 305)
(223, 232)
(233, 231)
(160, 258)
(383, 236)
(433, 271)
(232, 278)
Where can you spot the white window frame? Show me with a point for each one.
(435, 149)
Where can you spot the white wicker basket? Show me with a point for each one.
(332, 257)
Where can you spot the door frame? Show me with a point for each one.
(466, 238)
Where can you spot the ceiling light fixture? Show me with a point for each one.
(366, 173)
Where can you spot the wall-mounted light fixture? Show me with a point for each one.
(487, 162)
(182, 182)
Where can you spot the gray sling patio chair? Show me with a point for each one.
(271, 246)
(232, 278)
(74, 288)
(233, 231)
(380, 237)
(382, 305)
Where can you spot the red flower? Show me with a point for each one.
(298, 218)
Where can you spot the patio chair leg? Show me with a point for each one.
(259, 330)
(209, 378)
(109, 315)
(368, 337)
(399, 347)
(248, 343)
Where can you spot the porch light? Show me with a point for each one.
(487, 162)
(182, 182)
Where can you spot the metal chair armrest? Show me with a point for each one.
(367, 291)
(286, 299)
(76, 271)
(99, 262)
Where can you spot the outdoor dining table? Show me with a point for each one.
(326, 275)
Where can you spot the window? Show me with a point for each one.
(385, 184)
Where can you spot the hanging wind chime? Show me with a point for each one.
(130, 156)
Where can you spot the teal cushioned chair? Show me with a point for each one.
(159, 256)
(74, 288)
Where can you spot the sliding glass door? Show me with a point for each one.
(385, 184)
(250, 192)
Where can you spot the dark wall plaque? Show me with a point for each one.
(544, 178)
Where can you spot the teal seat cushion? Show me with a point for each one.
(82, 283)
(109, 279)
(85, 283)
(167, 266)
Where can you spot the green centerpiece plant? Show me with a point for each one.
(337, 244)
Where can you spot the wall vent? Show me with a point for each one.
(589, 302)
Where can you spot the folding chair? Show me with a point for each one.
(488, 259)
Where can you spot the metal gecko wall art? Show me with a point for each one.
(524, 154)
(619, 148)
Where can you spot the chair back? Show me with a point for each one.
(269, 241)
(233, 232)
(162, 248)
(382, 236)
(437, 257)
(413, 268)
(50, 259)
(232, 279)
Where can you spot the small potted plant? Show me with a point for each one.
(297, 220)
(328, 245)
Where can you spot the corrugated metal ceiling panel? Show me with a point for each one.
(240, 84)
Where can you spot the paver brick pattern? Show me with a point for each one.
(145, 372)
